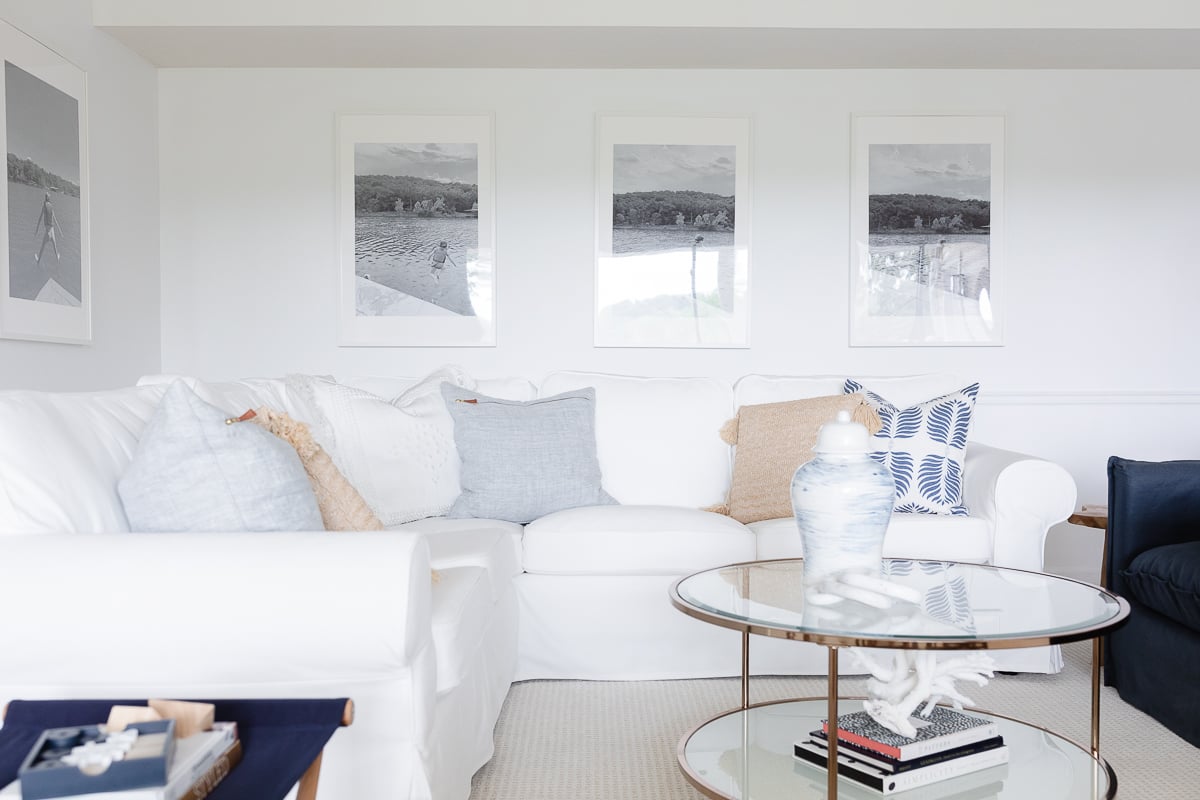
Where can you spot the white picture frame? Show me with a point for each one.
(417, 260)
(45, 241)
(927, 231)
(681, 282)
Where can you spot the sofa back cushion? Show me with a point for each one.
(504, 388)
(239, 396)
(63, 454)
(658, 439)
(904, 390)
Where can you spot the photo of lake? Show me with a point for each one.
(929, 230)
(45, 233)
(416, 230)
(672, 276)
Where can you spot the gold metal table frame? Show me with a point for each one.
(834, 642)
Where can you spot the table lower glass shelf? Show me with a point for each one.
(747, 755)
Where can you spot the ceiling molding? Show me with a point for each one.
(592, 47)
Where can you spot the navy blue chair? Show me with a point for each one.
(1154, 563)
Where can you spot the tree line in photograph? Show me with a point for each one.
(405, 193)
(929, 213)
(701, 210)
(23, 170)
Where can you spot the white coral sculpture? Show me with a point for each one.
(916, 677)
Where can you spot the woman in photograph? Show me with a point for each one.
(46, 217)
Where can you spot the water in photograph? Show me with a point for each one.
(915, 274)
(644, 291)
(716, 251)
(394, 250)
(28, 276)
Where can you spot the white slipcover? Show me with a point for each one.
(633, 540)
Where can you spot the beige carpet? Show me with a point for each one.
(578, 740)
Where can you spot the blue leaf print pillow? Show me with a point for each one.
(924, 446)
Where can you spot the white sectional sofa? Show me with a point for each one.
(93, 611)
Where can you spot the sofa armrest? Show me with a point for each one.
(1022, 496)
(211, 609)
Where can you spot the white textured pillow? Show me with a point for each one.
(398, 453)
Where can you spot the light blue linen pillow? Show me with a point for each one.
(524, 460)
(925, 447)
(192, 472)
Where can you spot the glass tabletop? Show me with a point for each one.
(962, 606)
(748, 755)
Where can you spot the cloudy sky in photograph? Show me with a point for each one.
(43, 123)
(439, 162)
(962, 171)
(676, 167)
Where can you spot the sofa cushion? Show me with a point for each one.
(657, 437)
(492, 544)
(462, 610)
(62, 455)
(771, 440)
(193, 471)
(918, 536)
(523, 460)
(634, 540)
(1167, 579)
(924, 445)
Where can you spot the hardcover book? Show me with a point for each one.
(891, 783)
(943, 729)
(819, 745)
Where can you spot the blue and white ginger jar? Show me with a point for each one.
(843, 501)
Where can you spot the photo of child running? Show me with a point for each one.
(438, 257)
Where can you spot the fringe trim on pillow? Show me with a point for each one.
(342, 507)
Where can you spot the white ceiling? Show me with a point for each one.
(689, 34)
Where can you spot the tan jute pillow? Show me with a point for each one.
(771, 441)
(342, 507)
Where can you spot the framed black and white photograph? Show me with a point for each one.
(927, 231)
(45, 280)
(672, 232)
(416, 207)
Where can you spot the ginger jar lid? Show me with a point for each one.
(843, 436)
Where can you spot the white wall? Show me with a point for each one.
(123, 155)
(1101, 275)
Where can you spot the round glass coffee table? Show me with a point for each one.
(746, 753)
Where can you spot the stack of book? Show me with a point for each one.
(948, 743)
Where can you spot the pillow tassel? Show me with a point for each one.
(867, 416)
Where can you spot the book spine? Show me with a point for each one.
(890, 784)
(947, 769)
(877, 759)
(216, 773)
(925, 747)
